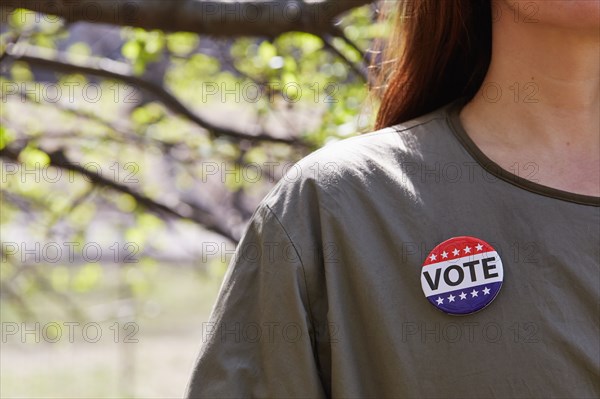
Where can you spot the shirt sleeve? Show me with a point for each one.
(259, 341)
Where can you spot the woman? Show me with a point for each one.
(488, 156)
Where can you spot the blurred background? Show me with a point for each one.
(136, 140)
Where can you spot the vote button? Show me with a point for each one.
(462, 275)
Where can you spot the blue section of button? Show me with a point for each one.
(467, 301)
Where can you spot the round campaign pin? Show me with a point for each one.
(462, 275)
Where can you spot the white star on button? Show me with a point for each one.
(463, 296)
(474, 293)
(467, 249)
(439, 301)
(444, 255)
(451, 298)
(456, 252)
(479, 247)
(486, 291)
(432, 257)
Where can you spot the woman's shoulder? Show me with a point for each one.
(359, 154)
(357, 163)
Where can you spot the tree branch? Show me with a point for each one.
(207, 17)
(336, 31)
(360, 70)
(109, 70)
(185, 211)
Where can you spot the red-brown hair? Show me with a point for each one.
(440, 51)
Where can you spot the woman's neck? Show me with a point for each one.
(540, 102)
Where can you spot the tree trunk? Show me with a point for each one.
(207, 17)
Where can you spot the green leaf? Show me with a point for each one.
(149, 222)
(126, 203)
(34, 157)
(22, 19)
(182, 43)
(6, 136)
(204, 64)
(131, 49)
(154, 43)
(80, 49)
(266, 51)
(20, 72)
(147, 114)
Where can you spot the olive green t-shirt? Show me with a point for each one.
(323, 296)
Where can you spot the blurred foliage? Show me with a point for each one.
(64, 235)
(292, 72)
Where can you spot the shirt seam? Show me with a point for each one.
(272, 212)
(400, 128)
(308, 305)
